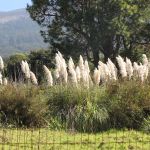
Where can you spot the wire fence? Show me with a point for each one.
(46, 139)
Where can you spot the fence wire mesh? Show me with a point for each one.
(46, 139)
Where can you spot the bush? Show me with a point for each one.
(21, 106)
(146, 125)
(128, 103)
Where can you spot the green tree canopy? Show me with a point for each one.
(39, 58)
(13, 66)
(93, 27)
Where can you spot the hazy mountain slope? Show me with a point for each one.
(18, 33)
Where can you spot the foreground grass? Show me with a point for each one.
(45, 139)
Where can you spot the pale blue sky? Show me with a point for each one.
(7, 5)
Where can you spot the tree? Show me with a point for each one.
(39, 58)
(92, 27)
(14, 68)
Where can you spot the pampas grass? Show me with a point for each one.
(1, 64)
(25, 69)
(1, 80)
(129, 68)
(80, 74)
(72, 71)
(33, 78)
(5, 81)
(48, 76)
(96, 76)
(122, 66)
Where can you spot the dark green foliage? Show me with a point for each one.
(13, 70)
(93, 27)
(128, 103)
(39, 58)
(21, 106)
(146, 125)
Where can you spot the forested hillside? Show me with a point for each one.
(18, 33)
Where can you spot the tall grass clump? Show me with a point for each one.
(77, 107)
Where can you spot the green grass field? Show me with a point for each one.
(44, 139)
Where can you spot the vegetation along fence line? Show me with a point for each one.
(46, 139)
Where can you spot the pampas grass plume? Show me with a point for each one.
(96, 76)
(78, 73)
(33, 78)
(5, 81)
(1, 64)
(48, 76)
(122, 66)
(144, 59)
(1, 80)
(129, 67)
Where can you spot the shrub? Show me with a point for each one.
(146, 125)
(21, 106)
(127, 103)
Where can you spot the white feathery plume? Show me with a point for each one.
(5, 81)
(129, 67)
(71, 63)
(135, 69)
(86, 74)
(1, 63)
(96, 76)
(86, 66)
(64, 70)
(146, 71)
(82, 69)
(102, 71)
(85, 78)
(33, 78)
(81, 63)
(1, 80)
(61, 67)
(122, 66)
(107, 72)
(144, 59)
(60, 55)
(48, 76)
(113, 69)
(56, 74)
(145, 65)
(25, 69)
(141, 72)
(135, 66)
(78, 74)
(58, 62)
(23, 66)
(72, 71)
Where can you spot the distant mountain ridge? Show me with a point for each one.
(18, 33)
(13, 15)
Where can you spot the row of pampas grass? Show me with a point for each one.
(68, 72)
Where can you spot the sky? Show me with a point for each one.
(7, 5)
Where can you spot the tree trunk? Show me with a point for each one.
(96, 57)
(108, 48)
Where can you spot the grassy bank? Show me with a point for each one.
(47, 139)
